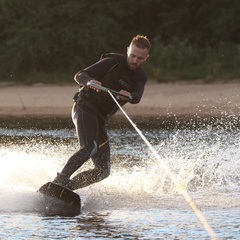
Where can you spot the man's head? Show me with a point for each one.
(137, 52)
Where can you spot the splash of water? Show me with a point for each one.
(207, 163)
(181, 187)
(24, 168)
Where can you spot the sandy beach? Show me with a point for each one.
(172, 99)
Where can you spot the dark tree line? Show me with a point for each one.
(59, 35)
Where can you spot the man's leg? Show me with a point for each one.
(87, 128)
(101, 169)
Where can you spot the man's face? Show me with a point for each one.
(136, 56)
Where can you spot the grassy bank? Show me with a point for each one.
(175, 62)
(181, 61)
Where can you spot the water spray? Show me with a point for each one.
(181, 187)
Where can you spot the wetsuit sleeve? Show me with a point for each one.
(138, 90)
(137, 94)
(95, 71)
(82, 78)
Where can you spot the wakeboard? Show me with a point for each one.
(59, 200)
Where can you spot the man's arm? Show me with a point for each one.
(137, 93)
(92, 72)
(82, 78)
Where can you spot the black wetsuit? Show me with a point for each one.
(91, 109)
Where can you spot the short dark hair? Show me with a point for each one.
(141, 41)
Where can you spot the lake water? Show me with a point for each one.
(138, 200)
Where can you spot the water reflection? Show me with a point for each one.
(160, 122)
(98, 224)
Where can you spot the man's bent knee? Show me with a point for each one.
(101, 174)
(89, 177)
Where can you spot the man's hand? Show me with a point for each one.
(97, 83)
(125, 93)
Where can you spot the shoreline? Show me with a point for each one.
(159, 100)
(176, 105)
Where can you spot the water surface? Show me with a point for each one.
(138, 200)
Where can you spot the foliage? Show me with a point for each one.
(183, 61)
(191, 38)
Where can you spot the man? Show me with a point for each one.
(93, 107)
